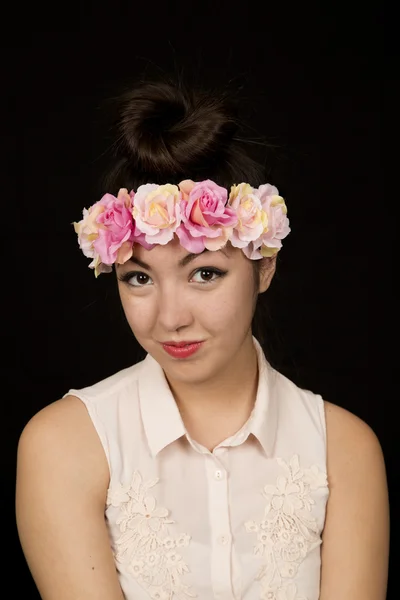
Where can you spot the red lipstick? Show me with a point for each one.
(181, 349)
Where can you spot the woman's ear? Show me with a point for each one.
(267, 270)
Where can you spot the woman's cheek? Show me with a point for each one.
(139, 312)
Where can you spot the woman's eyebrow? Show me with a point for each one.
(189, 257)
(182, 263)
(140, 263)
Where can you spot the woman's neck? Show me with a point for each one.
(216, 409)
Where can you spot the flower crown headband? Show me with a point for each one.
(200, 213)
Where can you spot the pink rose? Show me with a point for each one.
(252, 220)
(114, 242)
(207, 222)
(277, 227)
(156, 213)
(106, 231)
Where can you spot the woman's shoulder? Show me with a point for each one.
(62, 425)
(65, 426)
(123, 379)
(345, 427)
(352, 444)
(59, 444)
(347, 435)
(356, 532)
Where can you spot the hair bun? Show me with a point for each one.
(166, 130)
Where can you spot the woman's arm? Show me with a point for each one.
(355, 544)
(62, 480)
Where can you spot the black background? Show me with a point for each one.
(311, 79)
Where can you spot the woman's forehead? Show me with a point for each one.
(175, 255)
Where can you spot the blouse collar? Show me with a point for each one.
(163, 423)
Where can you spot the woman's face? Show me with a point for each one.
(169, 295)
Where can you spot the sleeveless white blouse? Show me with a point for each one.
(243, 522)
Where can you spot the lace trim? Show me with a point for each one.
(146, 546)
(287, 532)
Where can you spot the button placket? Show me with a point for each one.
(221, 546)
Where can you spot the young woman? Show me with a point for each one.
(200, 472)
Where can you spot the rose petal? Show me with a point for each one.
(190, 243)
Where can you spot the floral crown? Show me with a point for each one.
(200, 213)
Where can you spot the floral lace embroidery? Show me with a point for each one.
(145, 544)
(287, 531)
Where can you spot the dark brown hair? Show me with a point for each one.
(165, 133)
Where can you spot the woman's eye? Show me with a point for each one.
(136, 279)
(204, 275)
(207, 275)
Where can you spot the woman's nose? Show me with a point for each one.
(174, 311)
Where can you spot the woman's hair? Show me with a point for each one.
(165, 133)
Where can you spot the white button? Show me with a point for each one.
(223, 540)
(218, 475)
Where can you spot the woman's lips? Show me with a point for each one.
(181, 349)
